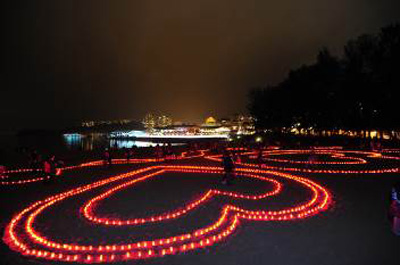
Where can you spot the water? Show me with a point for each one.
(95, 141)
(15, 150)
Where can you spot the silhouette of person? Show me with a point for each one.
(2, 170)
(260, 158)
(228, 168)
(129, 154)
(107, 157)
(395, 208)
(50, 168)
(158, 151)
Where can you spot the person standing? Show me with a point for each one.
(237, 157)
(35, 160)
(395, 209)
(260, 157)
(47, 170)
(158, 152)
(2, 170)
(50, 168)
(129, 154)
(228, 168)
(107, 157)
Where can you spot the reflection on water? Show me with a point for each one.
(100, 141)
(83, 142)
(72, 139)
(129, 143)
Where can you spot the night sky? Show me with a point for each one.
(66, 61)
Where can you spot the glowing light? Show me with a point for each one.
(334, 153)
(22, 236)
(6, 174)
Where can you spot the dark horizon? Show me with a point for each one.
(71, 61)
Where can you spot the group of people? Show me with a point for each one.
(164, 151)
(129, 153)
(49, 166)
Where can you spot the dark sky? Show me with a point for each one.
(66, 61)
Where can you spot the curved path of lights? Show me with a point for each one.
(21, 234)
(333, 154)
(7, 180)
(391, 151)
(88, 208)
(346, 158)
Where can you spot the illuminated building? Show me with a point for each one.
(152, 122)
(149, 121)
(163, 127)
(163, 121)
(210, 121)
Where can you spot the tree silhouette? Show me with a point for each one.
(357, 92)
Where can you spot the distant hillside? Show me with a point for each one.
(105, 128)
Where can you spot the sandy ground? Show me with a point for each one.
(355, 230)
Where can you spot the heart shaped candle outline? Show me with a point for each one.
(89, 207)
(376, 155)
(228, 221)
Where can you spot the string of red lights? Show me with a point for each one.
(6, 174)
(334, 153)
(22, 236)
(337, 155)
(88, 208)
